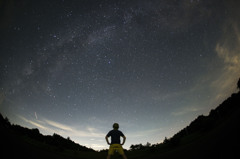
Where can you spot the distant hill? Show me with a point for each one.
(216, 135)
(19, 141)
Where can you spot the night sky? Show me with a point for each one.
(75, 67)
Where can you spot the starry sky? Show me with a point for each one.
(74, 67)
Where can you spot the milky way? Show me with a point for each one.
(76, 67)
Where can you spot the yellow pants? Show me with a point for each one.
(115, 148)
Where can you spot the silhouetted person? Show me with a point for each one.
(115, 145)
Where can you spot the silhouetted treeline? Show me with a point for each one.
(215, 135)
(140, 146)
(55, 140)
(201, 125)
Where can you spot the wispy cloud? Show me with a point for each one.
(58, 125)
(72, 130)
(186, 110)
(50, 126)
(85, 136)
(33, 123)
(98, 146)
(228, 50)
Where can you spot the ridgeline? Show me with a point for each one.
(17, 141)
(215, 135)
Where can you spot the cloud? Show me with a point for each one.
(89, 136)
(58, 125)
(72, 130)
(33, 123)
(98, 146)
(94, 132)
(228, 50)
(186, 110)
(49, 126)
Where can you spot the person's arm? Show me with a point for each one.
(124, 139)
(107, 140)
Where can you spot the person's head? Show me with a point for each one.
(115, 126)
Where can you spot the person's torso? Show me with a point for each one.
(115, 136)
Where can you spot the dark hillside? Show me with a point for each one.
(212, 136)
(17, 141)
(215, 135)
